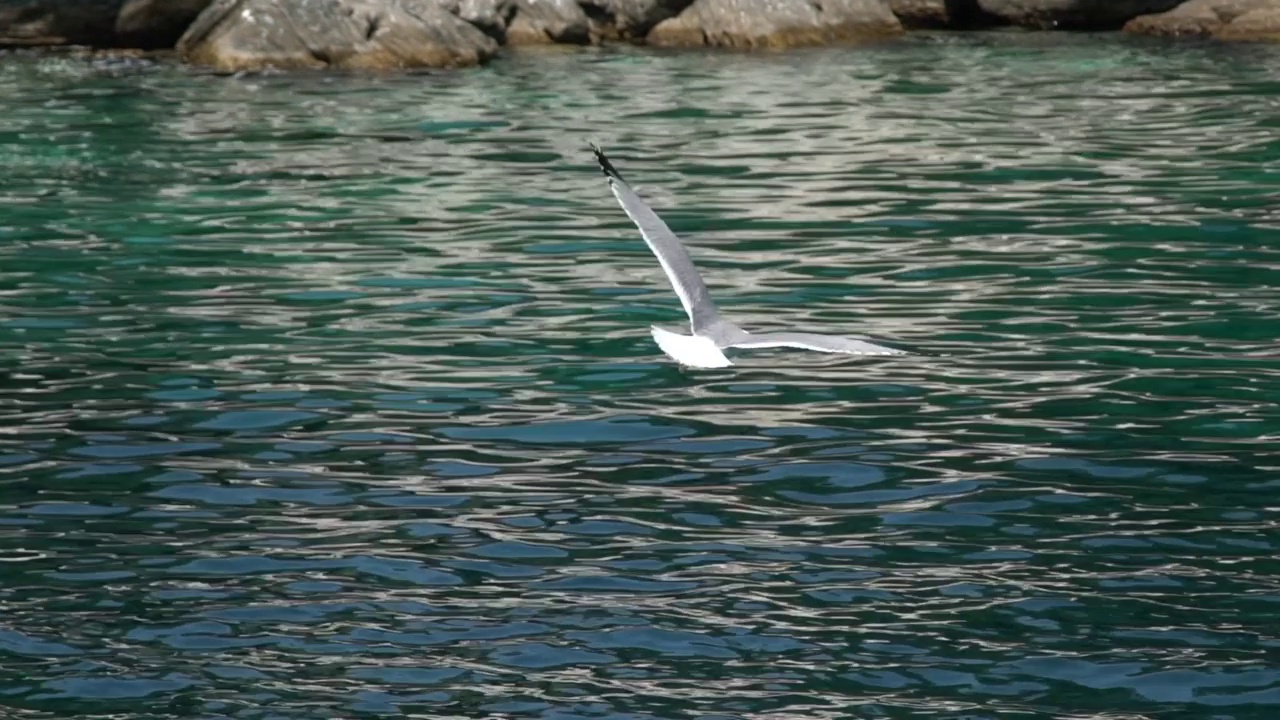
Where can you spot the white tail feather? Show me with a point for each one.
(690, 350)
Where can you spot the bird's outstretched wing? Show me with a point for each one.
(816, 342)
(666, 247)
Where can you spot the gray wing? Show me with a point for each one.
(813, 341)
(666, 246)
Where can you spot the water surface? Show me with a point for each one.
(333, 395)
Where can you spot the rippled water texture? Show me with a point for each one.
(333, 396)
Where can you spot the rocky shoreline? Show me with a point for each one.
(239, 35)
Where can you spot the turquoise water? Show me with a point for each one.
(333, 396)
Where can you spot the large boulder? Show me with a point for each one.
(632, 19)
(1261, 24)
(59, 22)
(154, 24)
(1073, 14)
(775, 24)
(1220, 19)
(234, 35)
(539, 22)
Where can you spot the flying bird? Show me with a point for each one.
(712, 334)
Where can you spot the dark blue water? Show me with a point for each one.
(334, 396)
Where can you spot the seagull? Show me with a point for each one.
(712, 334)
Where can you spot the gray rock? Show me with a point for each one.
(539, 22)
(152, 24)
(631, 19)
(491, 16)
(775, 23)
(59, 22)
(1221, 19)
(1073, 14)
(233, 35)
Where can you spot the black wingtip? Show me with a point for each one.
(606, 167)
